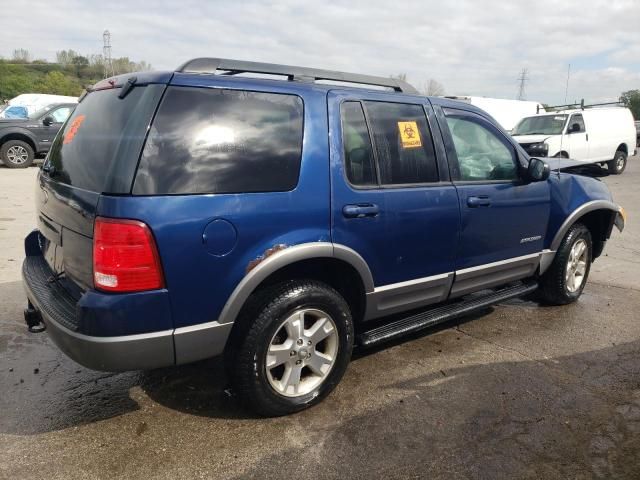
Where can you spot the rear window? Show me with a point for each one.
(222, 141)
(99, 146)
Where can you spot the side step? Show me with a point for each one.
(428, 318)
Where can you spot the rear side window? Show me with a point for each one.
(99, 146)
(358, 154)
(222, 141)
(403, 143)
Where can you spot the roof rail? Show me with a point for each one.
(300, 74)
(580, 105)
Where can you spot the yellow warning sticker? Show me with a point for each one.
(409, 134)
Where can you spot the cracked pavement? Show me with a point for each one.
(519, 391)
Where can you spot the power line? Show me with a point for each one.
(523, 78)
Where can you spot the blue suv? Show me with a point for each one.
(188, 214)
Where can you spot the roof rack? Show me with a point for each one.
(580, 105)
(295, 74)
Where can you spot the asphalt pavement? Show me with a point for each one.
(520, 391)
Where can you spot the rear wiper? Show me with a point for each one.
(127, 87)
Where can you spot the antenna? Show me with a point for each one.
(106, 53)
(566, 89)
(523, 81)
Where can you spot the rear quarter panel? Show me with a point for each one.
(199, 283)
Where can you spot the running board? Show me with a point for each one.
(428, 318)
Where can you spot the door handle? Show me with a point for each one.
(481, 201)
(360, 210)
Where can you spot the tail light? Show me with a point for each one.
(125, 257)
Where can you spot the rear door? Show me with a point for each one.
(392, 201)
(97, 151)
(578, 138)
(503, 218)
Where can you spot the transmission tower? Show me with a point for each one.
(106, 53)
(523, 82)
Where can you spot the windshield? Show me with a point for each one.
(540, 125)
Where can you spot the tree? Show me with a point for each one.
(65, 57)
(631, 100)
(21, 55)
(433, 88)
(58, 83)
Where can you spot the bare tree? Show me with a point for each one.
(21, 55)
(433, 88)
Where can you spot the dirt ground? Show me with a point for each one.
(521, 391)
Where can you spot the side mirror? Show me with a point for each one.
(48, 120)
(575, 127)
(538, 170)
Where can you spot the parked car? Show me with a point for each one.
(603, 135)
(188, 214)
(505, 111)
(29, 103)
(637, 124)
(22, 138)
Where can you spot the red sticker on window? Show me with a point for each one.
(73, 129)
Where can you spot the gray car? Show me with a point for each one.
(22, 138)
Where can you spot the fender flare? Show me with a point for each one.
(288, 256)
(19, 131)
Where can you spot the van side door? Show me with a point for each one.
(577, 138)
(391, 197)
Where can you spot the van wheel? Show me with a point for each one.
(564, 281)
(294, 348)
(618, 164)
(16, 154)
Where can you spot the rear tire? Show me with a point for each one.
(565, 279)
(16, 154)
(291, 348)
(618, 164)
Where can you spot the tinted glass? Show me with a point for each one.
(222, 141)
(403, 142)
(358, 154)
(482, 155)
(98, 148)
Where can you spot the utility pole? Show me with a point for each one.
(566, 88)
(523, 82)
(106, 53)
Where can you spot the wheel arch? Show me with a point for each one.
(598, 216)
(19, 135)
(622, 148)
(339, 266)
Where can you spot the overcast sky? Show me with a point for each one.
(470, 47)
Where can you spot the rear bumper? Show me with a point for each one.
(72, 325)
(115, 353)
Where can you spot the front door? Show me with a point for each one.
(46, 133)
(503, 218)
(577, 138)
(391, 202)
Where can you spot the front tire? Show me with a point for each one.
(295, 344)
(565, 279)
(618, 164)
(16, 154)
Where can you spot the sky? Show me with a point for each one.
(470, 47)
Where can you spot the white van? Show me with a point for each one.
(595, 135)
(506, 112)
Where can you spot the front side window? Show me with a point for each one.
(207, 140)
(358, 153)
(403, 143)
(60, 115)
(482, 155)
(576, 120)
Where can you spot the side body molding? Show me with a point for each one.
(286, 257)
